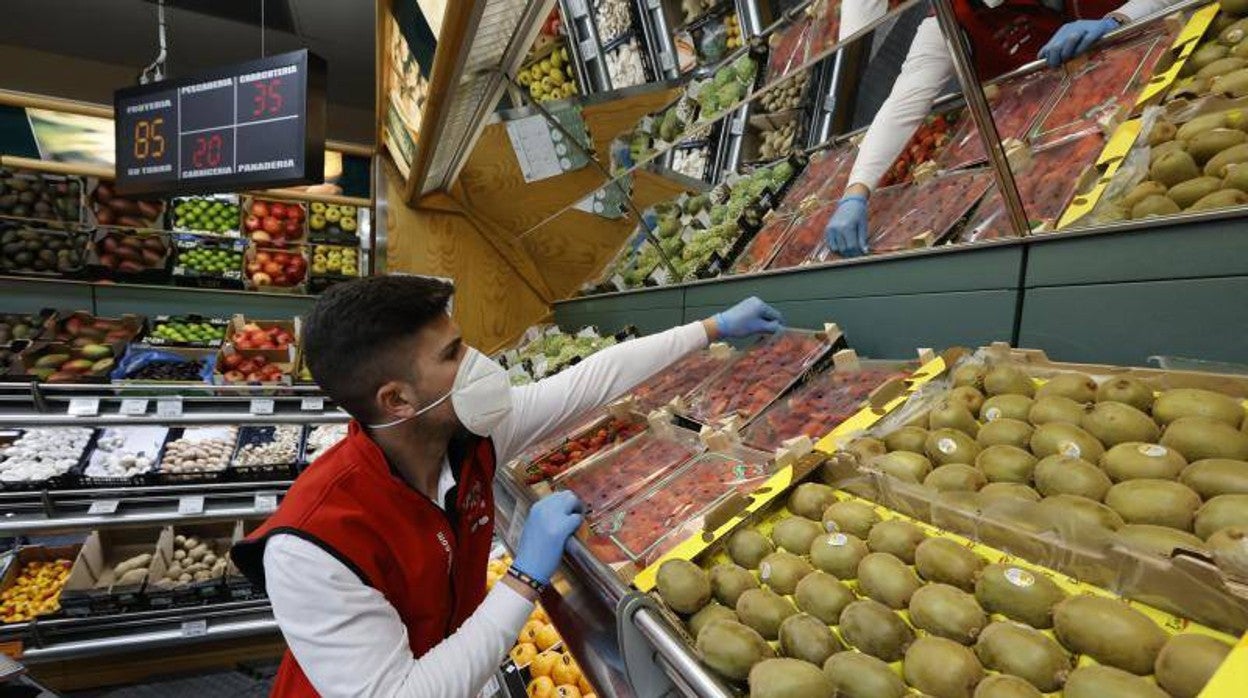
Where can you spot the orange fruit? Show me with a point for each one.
(566, 671)
(541, 687)
(523, 653)
(567, 691)
(546, 637)
(543, 664)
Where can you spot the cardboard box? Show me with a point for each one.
(35, 553)
(238, 586)
(163, 594)
(220, 324)
(231, 249)
(92, 587)
(286, 227)
(266, 261)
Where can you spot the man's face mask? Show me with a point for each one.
(480, 395)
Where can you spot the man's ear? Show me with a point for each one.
(392, 401)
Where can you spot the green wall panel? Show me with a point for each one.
(894, 326)
(1126, 323)
(647, 321)
(111, 300)
(1209, 248)
(29, 296)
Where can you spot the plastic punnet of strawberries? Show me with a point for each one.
(758, 377)
(618, 474)
(816, 408)
(598, 437)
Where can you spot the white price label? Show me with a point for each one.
(578, 8)
(588, 49)
(191, 505)
(737, 127)
(103, 506)
(266, 503)
(667, 61)
(195, 628)
(312, 404)
(262, 405)
(134, 406)
(84, 406)
(169, 407)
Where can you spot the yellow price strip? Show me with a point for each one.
(1232, 676)
(1112, 155)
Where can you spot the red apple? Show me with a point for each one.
(235, 376)
(261, 237)
(277, 210)
(251, 223)
(295, 213)
(292, 229)
(272, 268)
(260, 361)
(281, 280)
(255, 378)
(259, 209)
(254, 268)
(272, 225)
(261, 279)
(261, 257)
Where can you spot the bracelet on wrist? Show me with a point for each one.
(525, 579)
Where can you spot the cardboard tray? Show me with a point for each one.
(186, 276)
(69, 236)
(160, 476)
(149, 340)
(85, 480)
(150, 273)
(264, 471)
(162, 594)
(17, 561)
(91, 588)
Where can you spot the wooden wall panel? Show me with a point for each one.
(493, 304)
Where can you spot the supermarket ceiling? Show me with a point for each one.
(204, 33)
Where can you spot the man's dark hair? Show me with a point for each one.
(349, 338)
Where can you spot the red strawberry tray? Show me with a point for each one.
(613, 476)
(1014, 109)
(825, 23)
(766, 243)
(934, 208)
(926, 144)
(602, 434)
(1046, 186)
(758, 376)
(825, 175)
(1103, 89)
(805, 237)
(679, 379)
(653, 522)
(818, 406)
(790, 47)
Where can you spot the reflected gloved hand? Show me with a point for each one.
(551, 522)
(750, 316)
(1073, 38)
(846, 233)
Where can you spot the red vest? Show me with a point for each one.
(1006, 37)
(429, 564)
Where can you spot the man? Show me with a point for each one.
(1004, 35)
(375, 561)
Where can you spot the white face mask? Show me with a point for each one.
(480, 395)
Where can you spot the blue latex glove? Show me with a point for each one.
(1073, 38)
(846, 232)
(750, 316)
(551, 522)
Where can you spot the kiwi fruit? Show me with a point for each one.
(969, 397)
(951, 413)
(709, 614)
(1004, 431)
(874, 628)
(1066, 510)
(947, 611)
(1097, 626)
(1065, 475)
(748, 547)
(1155, 206)
(729, 581)
(1019, 594)
(1194, 402)
(684, 586)
(865, 448)
(731, 648)
(807, 638)
(823, 596)
(1055, 408)
(1187, 193)
(795, 534)
(1198, 438)
(1206, 144)
(1024, 652)
(1236, 174)
(1231, 84)
(838, 554)
(782, 571)
(1130, 391)
(854, 518)
(955, 477)
(1076, 386)
(943, 561)
(809, 499)
(950, 446)
(1234, 33)
(1006, 464)
(1006, 407)
(764, 610)
(1214, 476)
(1133, 460)
(887, 579)
(1186, 663)
(1113, 423)
(1229, 548)
(858, 675)
(996, 491)
(897, 537)
(1144, 189)
(970, 375)
(1223, 511)
(1006, 686)
(1216, 166)
(906, 439)
(1003, 380)
(1094, 681)
(903, 465)
(1171, 169)
(1201, 57)
(1223, 198)
(1067, 440)
(942, 668)
(1156, 540)
(1155, 502)
(788, 678)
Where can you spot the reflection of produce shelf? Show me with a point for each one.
(109, 285)
(719, 9)
(72, 638)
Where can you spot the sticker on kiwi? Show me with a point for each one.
(831, 526)
(1019, 578)
(1152, 450)
(837, 539)
(1070, 449)
(947, 446)
(992, 414)
(764, 571)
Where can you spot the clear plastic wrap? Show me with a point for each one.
(681, 378)
(615, 475)
(758, 376)
(1014, 110)
(599, 435)
(817, 407)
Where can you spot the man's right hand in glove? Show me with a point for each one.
(846, 233)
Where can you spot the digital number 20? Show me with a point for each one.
(207, 152)
(268, 98)
(147, 139)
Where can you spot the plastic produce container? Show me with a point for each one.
(608, 479)
(600, 435)
(1014, 110)
(681, 378)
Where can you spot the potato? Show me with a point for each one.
(191, 543)
(133, 576)
(179, 540)
(184, 578)
(136, 562)
(179, 554)
(174, 571)
(210, 559)
(198, 553)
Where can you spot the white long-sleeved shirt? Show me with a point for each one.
(928, 66)
(355, 644)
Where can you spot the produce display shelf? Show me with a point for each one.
(153, 287)
(73, 638)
